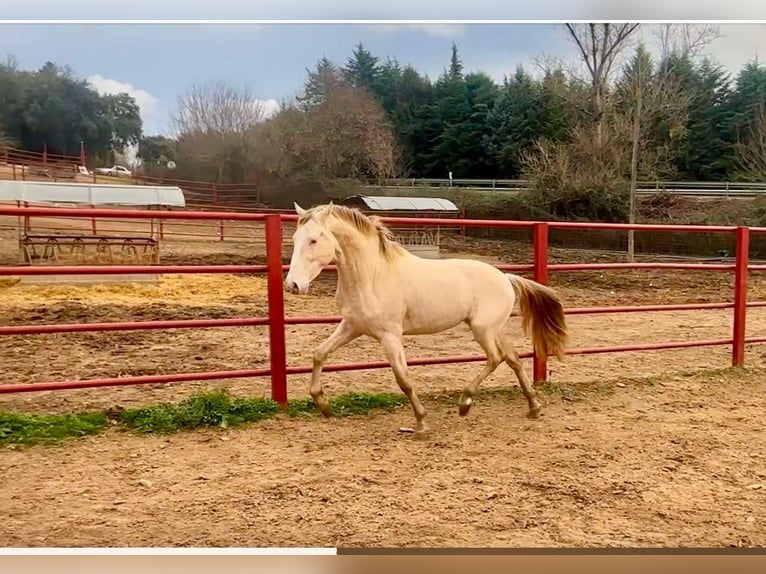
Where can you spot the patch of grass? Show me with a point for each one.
(23, 429)
(364, 403)
(209, 409)
(221, 409)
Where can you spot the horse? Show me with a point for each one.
(385, 292)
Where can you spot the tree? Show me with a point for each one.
(124, 116)
(707, 153)
(362, 69)
(747, 98)
(662, 97)
(216, 108)
(213, 125)
(599, 46)
(319, 83)
(51, 109)
(751, 147)
(156, 150)
(407, 98)
(526, 110)
(455, 65)
(348, 136)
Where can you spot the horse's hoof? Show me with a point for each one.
(464, 407)
(534, 412)
(324, 408)
(422, 434)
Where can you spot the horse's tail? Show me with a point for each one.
(542, 316)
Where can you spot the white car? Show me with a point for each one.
(115, 170)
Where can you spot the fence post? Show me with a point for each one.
(740, 296)
(540, 274)
(276, 294)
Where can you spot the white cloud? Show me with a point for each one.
(270, 107)
(147, 103)
(436, 30)
(440, 30)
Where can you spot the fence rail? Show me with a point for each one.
(276, 321)
(686, 188)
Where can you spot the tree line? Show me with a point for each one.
(51, 109)
(583, 137)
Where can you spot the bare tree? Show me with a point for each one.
(661, 94)
(751, 150)
(217, 108)
(686, 40)
(599, 46)
(213, 123)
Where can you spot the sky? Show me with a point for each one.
(156, 63)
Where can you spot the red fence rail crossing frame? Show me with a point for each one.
(276, 321)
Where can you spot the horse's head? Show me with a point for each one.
(314, 247)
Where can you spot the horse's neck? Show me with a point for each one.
(357, 263)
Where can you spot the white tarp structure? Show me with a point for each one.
(394, 203)
(92, 193)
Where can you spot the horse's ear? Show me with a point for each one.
(298, 209)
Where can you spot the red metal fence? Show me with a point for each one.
(276, 321)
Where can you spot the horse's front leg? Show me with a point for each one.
(392, 344)
(344, 333)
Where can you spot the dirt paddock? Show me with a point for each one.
(680, 462)
(618, 459)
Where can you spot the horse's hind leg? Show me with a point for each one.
(487, 338)
(512, 358)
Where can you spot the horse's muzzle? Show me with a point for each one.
(293, 288)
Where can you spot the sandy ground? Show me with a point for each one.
(678, 460)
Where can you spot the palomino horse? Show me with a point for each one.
(385, 292)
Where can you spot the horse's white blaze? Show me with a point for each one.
(385, 292)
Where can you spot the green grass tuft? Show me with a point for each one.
(364, 403)
(220, 409)
(208, 409)
(23, 429)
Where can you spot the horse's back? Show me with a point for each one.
(440, 293)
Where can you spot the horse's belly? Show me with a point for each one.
(427, 318)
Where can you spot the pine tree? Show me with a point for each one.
(362, 69)
(456, 65)
(319, 82)
(706, 154)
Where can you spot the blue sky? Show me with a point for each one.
(157, 62)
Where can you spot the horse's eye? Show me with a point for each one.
(312, 242)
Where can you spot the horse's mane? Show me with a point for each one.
(367, 225)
